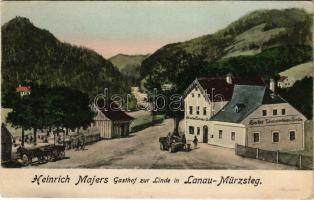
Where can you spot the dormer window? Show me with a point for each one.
(192, 94)
(238, 107)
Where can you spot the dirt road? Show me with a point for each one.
(141, 151)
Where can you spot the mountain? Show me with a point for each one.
(281, 38)
(129, 66)
(31, 54)
(299, 72)
(253, 33)
(121, 61)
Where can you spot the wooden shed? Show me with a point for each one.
(112, 122)
(6, 144)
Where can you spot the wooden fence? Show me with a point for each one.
(300, 161)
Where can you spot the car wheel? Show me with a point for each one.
(171, 149)
(25, 160)
(161, 147)
(61, 154)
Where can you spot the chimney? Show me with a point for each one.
(229, 78)
(272, 84)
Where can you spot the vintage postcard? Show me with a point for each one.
(152, 99)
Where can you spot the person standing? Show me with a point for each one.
(195, 142)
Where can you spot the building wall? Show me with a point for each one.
(195, 98)
(105, 128)
(120, 129)
(286, 83)
(292, 120)
(227, 128)
(197, 124)
(6, 145)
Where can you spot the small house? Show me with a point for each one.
(23, 90)
(6, 144)
(285, 82)
(111, 121)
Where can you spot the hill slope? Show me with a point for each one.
(121, 61)
(300, 71)
(266, 34)
(129, 66)
(33, 54)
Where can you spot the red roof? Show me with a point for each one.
(114, 113)
(220, 85)
(282, 78)
(22, 88)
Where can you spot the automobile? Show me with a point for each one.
(173, 144)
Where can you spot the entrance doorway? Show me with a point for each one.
(205, 134)
(122, 130)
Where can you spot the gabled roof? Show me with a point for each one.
(282, 78)
(245, 100)
(113, 112)
(22, 88)
(221, 87)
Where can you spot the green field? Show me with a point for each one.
(145, 119)
(300, 71)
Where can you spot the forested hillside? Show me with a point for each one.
(264, 43)
(129, 66)
(31, 54)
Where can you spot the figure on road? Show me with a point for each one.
(195, 142)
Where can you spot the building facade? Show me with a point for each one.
(112, 122)
(285, 82)
(259, 118)
(204, 98)
(6, 144)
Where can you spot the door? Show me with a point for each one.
(122, 130)
(205, 134)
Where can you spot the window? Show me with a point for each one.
(198, 130)
(204, 111)
(192, 94)
(191, 130)
(255, 137)
(196, 89)
(264, 112)
(292, 135)
(197, 110)
(275, 136)
(283, 111)
(232, 136)
(275, 112)
(220, 134)
(191, 110)
(211, 136)
(198, 95)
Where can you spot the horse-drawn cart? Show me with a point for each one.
(43, 154)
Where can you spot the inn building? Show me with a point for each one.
(250, 114)
(204, 98)
(257, 117)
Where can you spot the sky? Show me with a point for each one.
(134, 27)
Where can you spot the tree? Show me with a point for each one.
(179, 69)
(300, 95)
(56, 107)
(73, 108)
